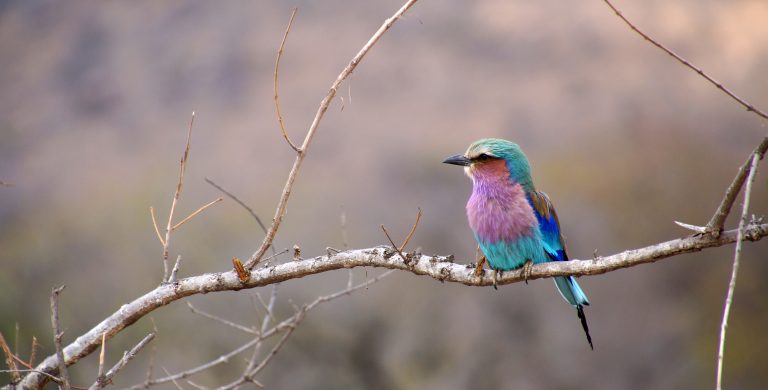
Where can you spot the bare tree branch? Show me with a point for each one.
(324, 104)
(734, 272)
(685, 62)
(438, 267)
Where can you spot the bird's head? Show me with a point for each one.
(491, 157)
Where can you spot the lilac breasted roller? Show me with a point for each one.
(514, 225)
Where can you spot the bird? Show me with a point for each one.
(514, 225)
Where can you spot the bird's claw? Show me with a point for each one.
(496, 279)
(527, 267)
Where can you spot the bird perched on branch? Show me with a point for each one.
(514, 225)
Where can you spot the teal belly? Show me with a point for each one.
(510, 255)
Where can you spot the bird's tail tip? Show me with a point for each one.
(583, 318)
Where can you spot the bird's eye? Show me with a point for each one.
(483, 157)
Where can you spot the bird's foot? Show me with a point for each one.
(479, 271)
(527, 270)
(496, 274)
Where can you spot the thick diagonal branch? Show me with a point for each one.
(438, 267)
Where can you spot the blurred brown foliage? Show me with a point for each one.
(93, 113)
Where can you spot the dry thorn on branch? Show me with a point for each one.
(324, 104)
(277, 96)
(57, 335)
(693, 228)
(685, 62)
(734, 272)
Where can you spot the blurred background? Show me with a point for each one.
(94, 107)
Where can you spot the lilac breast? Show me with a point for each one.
(498, 209)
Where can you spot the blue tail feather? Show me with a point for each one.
(573, 294)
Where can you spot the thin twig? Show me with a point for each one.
(57, 335)
(54, 378)
(154, 223)
(178, 386)
(245, 206)
(176, 195)
(685, 62)
(277, 96)
(222, 320)
(324, 104)
(33, 353)
(717, 222)
(734, 271)
(413, 230)
(238, 201)
(198, 211)
(103, 381)
(6, 184)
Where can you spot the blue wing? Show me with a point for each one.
(554, 244)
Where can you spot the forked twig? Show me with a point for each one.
(104, 380)
(324, 104)
(277, 96)
(176, 195)
(685, 62)
(406, 260)
(734, 271)
(400, 248)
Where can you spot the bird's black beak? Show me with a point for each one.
(458, 160)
